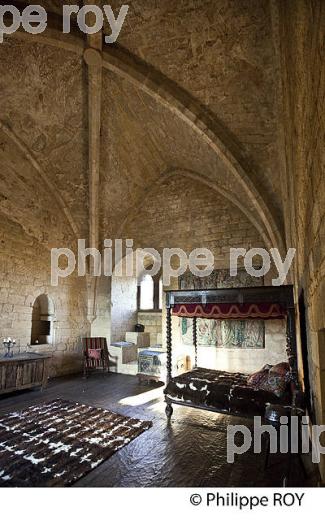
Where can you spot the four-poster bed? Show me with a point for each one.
(220, 391)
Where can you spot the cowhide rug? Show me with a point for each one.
(56, 443)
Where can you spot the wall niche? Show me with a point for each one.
(42, 321)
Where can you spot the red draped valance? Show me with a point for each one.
(230, 311)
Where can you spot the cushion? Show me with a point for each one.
(272, 379)
(122, 344)
(275, 383)
(94, 353)
(256, 379)
(282, 369)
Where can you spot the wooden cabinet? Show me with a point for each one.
(23, 371)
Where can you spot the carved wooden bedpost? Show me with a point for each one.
(195, 340)
(169, 408)
(292, 344)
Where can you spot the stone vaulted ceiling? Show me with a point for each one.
(190, 87)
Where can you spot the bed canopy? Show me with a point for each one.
(230, 311)
(245, 303)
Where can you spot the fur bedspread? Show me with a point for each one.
(224, 391)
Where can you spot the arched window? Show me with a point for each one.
(150, 293)
(42, 320)
(147, 293)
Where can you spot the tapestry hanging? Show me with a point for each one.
(243, 334)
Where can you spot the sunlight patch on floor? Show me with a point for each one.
(144, 398)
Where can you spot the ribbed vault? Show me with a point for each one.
(196, 104)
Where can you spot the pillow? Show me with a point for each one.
(275, 383)
(282, 369)
(272, 379)
(256, 379)
(94, 353)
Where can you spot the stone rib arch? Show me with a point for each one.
(197, 118)
(31, 159)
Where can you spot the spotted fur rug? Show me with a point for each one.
(56, 443)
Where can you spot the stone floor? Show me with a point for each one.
(190, 451)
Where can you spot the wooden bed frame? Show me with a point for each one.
(282, 295)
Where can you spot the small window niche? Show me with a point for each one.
(42, 321)
(150, 292)
(146, 293)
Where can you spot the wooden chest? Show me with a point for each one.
(23, 371)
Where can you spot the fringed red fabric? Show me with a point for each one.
(230, 311)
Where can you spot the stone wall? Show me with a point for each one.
(153, 324)
(123, 307)
(25, 275)
(100, 301)
(184, 213)
(124, 314)
(301, 38)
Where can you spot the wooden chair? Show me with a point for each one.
(95, 354)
